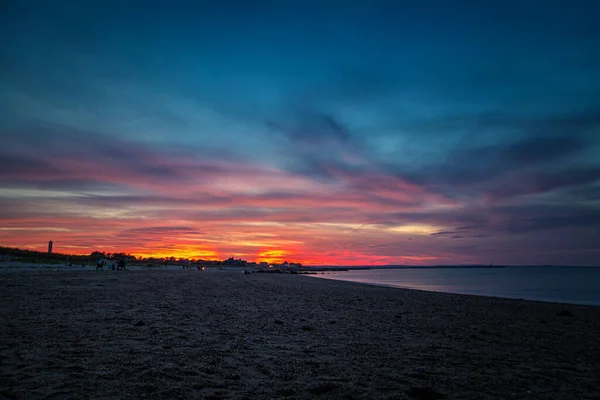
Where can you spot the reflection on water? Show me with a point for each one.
(578, 285)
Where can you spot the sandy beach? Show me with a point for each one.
(215, 334)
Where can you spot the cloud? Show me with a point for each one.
(462, 232)
(13, 166)
(559, 124)
(529, 218)
(536, 150)
(585, 194)
(533, 165)
(471, 166)
(549, 154)
(69, 185)
(57, 156)
(310, 127)
(540, 182)
(104, 182)
(159, 233)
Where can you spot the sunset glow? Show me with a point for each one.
(381, 139)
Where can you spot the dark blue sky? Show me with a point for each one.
(472, 126)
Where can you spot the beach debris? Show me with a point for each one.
(307, 328)
(278, 322)
(564, 313)
(424, 393)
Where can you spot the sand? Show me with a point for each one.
(214, 334)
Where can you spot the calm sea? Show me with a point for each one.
(577, 285)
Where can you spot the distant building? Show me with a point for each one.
(233, 261)
(50, 247)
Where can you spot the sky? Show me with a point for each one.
(324, 132)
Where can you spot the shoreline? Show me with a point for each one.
(42, 268)
(459, 294)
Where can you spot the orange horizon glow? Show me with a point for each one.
(269, 256)
(272, 242)
(213, 256)
(256, 213)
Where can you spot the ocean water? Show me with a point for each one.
(576, 285)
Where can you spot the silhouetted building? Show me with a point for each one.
(50, 247)
(233, 261)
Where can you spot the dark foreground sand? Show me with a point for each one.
(191, 334)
